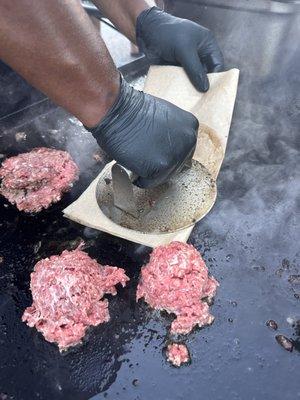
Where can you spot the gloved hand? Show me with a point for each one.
(147, 135)
(168, 40)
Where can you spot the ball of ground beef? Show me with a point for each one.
(67, 292)
(176, 280)
(34, 180)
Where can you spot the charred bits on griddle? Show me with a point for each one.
(272, 324)
(284, 342)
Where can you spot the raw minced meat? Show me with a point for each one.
(176, 280)
(177, 354)
(67, 292)
(36, 179)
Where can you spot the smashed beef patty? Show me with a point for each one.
(176, 280)
(37, 179)
(177, 354)
(67, 292)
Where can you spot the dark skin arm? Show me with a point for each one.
(53, 44)
(55, 47)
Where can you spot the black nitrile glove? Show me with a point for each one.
(147, 135)
(168, 40)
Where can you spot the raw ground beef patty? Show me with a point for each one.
(176, 280)
(37, 179)
(177, 354)
(67, 292)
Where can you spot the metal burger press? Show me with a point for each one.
(174, 205)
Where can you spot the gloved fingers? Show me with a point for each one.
(214, 61)
(154, 181)
(191, 63)
(146, 183)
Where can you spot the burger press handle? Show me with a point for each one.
(124, 198)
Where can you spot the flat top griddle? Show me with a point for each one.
(250, 243)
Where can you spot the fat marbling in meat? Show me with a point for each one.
(67, 292)
(176, 280)
(34, 180)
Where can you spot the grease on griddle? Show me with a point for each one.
(294, 279)
(296, 342)
(296, 325)
(285, 266)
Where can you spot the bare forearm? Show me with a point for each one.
(55, 47)
(123, 13)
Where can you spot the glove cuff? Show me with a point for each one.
(125, 108)
(114, 111)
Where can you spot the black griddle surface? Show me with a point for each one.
(250, 241)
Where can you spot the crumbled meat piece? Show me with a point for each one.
(177, 354)
(272, 324)
(284, 342)
(97, 157)
(38, 178)
(19, 136)
(176, 280)
(1, 259)
(67, 292)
